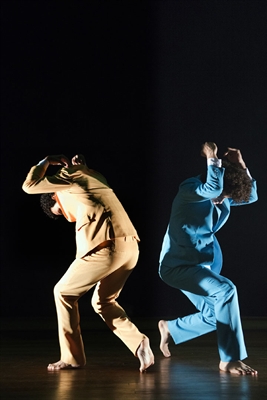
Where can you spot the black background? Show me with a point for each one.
(136, 87)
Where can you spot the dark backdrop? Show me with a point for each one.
(136, 87)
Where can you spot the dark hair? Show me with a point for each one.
(46, 203)
(237, 183)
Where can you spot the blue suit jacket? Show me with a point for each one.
(190, 238)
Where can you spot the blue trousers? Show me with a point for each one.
(216, 299)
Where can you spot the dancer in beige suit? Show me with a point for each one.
(107, 252)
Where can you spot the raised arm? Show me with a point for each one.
(235, 157)
(36, 181)
(194, 189)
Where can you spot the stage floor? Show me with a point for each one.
(27, 346)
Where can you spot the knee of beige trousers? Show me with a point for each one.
(109, 311)
(107, 291)
(65, 300)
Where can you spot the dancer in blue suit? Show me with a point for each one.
(191, 258)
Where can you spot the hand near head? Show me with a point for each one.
(78, 160)
(59, 159)
(235, 157)
(209, 150)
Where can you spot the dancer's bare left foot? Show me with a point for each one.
(61, 365)
(164, 338)
(145, 355)
(237, 368)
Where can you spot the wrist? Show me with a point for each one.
(214, 161)
(211, 155)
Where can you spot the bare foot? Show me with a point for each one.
(61, 365)
(237, 367)
(165, 338)
(145, 355)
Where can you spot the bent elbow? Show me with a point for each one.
(27, 187)
(253, 198)
(253, 194)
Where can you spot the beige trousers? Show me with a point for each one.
(108, 269)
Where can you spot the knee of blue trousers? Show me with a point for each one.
(208, 314)
(228, 290)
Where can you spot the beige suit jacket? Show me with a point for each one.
(85, 198)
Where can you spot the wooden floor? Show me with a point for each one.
(112, 372)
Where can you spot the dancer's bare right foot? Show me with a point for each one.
(237, 368)
(61, 365)
(145, 355)
(164, 338)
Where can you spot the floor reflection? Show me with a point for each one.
(112, 372)
(168, 379)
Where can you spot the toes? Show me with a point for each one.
(59, 365)
(238, 368)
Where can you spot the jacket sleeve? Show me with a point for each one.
(252, 199)
(36, 182)
(194, 189)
